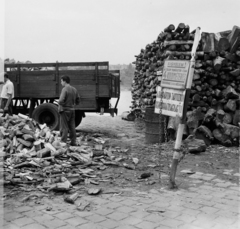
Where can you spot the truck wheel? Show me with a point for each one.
(78, 118)
(47, 113)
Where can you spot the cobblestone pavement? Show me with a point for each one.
(208, 203)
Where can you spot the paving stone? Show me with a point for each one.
(206, 178)
(209, 175)
(116, 199)
(146, 225)
(126, 227)
(190, 195)
(235, 188)
(125, 209)
(23, 209)
(222, 206)
(117, 216)
(205, 197)
(95, 218)
(188, 226)
(176, 208)
(43, 218)
(109, 223)
(196, 181)
(64, 215)
(32, 214)
(100, 201)
(223, 185)
(139, 214)
(209, 210)
(113, 205)
(196, 176)
(34, 226)
(23, 221)
(173, 223)
(191, 212)
(67, 227)
(192, 206)
(131, 220)
(147, 201)
(130, 202)
(227, 213)
(208, 203)
(155, 218)
(206, 217)
(218, 181)
(233, 197)
(225, 220)
(204, 224)
(89, 226)
(162, 227)
(56, 223)
(186, 218)
(11, 226)
(75, 221)
(170, 214)
(53, 211)
(236, 174)
(83, 213)
(104, 211)
(12, 216)
(40, 207)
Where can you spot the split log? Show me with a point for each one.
(177, 42)
(28, 137)
(230, 106)
(218, 62)
(180, 28)
(230, 93)
(235, 33)
(205, 134)
(45, 152)
(25, 143)
(236, 118)
(228, 118)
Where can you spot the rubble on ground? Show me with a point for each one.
(33, 155)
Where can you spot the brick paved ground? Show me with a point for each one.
(209, 203)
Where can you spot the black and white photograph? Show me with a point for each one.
(119, 114)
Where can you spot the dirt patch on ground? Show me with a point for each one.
(131, 135)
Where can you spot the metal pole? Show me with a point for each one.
(178, 142)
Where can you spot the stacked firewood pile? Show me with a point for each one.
(216, 81)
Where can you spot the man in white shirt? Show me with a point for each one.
(7, 95)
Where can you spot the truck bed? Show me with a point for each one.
(93, 80)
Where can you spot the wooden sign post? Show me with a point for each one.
(178, 143)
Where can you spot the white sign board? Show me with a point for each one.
(172, 101)
(175, 74)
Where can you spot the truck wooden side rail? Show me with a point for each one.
(38, 86)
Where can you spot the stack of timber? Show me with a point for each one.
(214, 101)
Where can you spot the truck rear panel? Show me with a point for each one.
(93, 80)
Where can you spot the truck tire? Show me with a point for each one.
(78, 118)
(47, 113)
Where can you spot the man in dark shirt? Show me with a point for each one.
(68, 99)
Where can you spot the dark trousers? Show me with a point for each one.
(67, 124)
(10, 109)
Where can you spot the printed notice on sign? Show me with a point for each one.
(175, 74)
(172, 102)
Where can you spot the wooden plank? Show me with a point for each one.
(104, 91)
(86, 103)
(234, 35)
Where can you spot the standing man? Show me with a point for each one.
(7, 95)
(68, 99)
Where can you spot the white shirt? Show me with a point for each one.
(7, 88)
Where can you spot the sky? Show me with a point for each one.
(101, 30)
